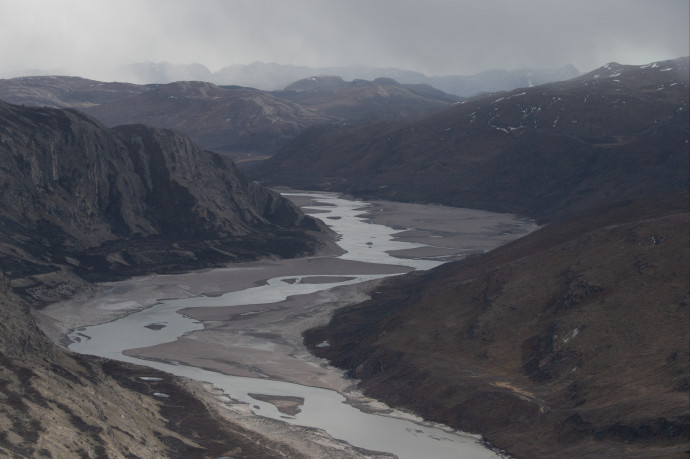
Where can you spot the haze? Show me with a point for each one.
(437, 37)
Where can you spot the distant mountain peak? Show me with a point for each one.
(272, 76)
(316, 83)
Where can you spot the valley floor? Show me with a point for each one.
(228, 342)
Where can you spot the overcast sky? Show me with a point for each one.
(435, 37)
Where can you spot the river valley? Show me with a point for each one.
(238, 329)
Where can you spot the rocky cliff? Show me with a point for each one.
(80, 202)
(570, 342)
(57, 404)
(83, 202)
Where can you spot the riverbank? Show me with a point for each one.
(264, 340)
(229, 343)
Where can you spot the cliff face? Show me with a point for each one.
(570, 342)
(80, 202)
(83, 201)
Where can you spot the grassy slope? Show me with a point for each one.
(572, 341)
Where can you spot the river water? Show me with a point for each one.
(326, 409)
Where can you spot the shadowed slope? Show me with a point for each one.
(549, 152)
(570, 342)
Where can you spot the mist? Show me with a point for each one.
(439, 37)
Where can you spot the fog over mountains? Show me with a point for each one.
(269, 76)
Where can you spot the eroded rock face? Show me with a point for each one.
(54, 403)
(80, 201)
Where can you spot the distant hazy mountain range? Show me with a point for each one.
(271, 77)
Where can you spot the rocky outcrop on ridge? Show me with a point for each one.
(83, 202)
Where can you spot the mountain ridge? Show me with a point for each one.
(271, 76)
(238, 121)
(571, 341)
(547, 152)
(80, 201)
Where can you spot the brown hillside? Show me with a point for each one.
(570, 342)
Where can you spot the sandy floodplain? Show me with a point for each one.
(265, 340)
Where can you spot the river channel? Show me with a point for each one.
(239, 328)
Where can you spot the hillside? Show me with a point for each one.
(570, 342)
(83, 202)
(54, 403)
(241, 121)
(64, 91)
(361, 101)
(549, 151)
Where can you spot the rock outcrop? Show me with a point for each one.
(83, 202)
(80, 202)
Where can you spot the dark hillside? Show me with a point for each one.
(361, 101)
(82, 202)
(570, 342)
(226, 120)
(551, 151)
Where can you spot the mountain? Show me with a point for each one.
(54, 403)
(80, 203)
(241, 122)
(570, 342)
(551, 151)
(226, 120)
(271, 76)
(361, 101)
(500, 80)
(164, 72)
(84, 202)
(63, 91)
